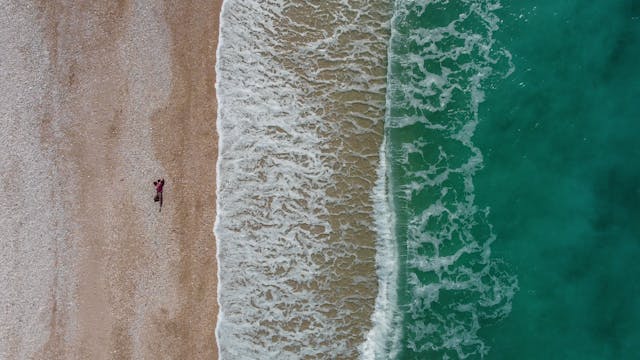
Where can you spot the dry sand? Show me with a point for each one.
(99, 99)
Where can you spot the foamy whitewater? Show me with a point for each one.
(332, 242)
(301, 103)
(442, 58)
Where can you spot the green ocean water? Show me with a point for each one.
(561, 144)
(512, 143)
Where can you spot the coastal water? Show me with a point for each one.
(562, 179)
(301, 105)
(513, 180)
(442, 56)
(487, 208)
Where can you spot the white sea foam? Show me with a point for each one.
(383, 340)
(292, 94)
(439, 74)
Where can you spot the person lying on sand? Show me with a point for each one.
(159, 185)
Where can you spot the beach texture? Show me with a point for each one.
(98, 100)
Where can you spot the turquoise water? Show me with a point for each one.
(514, 179)
(506, 206)
(562, 179)
(449, 284)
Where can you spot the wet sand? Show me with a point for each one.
(100, 98)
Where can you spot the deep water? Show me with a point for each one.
(560, 139)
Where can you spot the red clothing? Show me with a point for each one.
(159, 186)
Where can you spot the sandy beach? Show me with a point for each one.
(99, 99)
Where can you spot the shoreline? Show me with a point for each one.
(221, 4)
(115, 96)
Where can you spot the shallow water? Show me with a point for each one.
(498, 219)
(301, 94)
